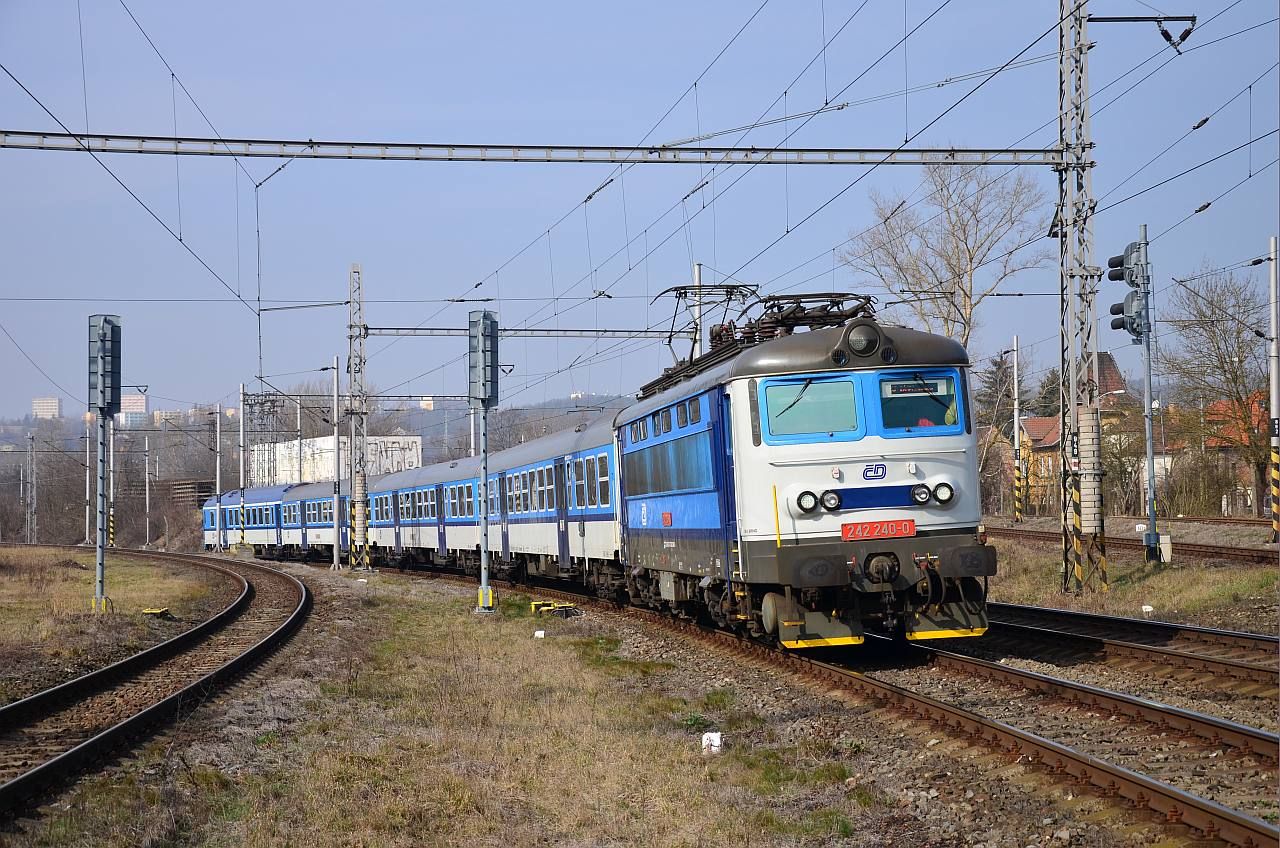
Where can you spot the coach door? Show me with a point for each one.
(562, 513)
(395, 521)
(502, 511)
(442, 547)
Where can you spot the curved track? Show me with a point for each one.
(1252, 556)
(52, 735)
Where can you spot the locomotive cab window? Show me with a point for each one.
(695, 411)
(918, 402)
(811, 408)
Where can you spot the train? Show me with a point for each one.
(811, 479)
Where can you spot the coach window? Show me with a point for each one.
(695, 411)
(526, 491)
(603, 464)
(540, 491)
(592, 481)
(511, 504)
(579, 484)
(551, 487)
(471, 500)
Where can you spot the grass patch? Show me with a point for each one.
(440, 727)
(1031, 574)
(601, 653)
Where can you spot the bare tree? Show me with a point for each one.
(946, 257)
(1217, 363)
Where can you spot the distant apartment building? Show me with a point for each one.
(133, 411)
(277, 464)
(172, 416)
(46, 407)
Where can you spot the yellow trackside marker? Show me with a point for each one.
(777, 525)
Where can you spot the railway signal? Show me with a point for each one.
(1134, 317)
(482, 392)
(104, 397)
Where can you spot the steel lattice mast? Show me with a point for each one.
(1084, 559)
(357, 332)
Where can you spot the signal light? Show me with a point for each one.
(807, 501)
(920, 494)
(1125, 266)
(831, 500)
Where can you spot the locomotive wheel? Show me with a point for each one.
(771, 606)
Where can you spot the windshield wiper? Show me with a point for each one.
(939, 401)
(796, 399)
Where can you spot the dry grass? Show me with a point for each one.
(451, 729)
(47, 631)
(1031, 574)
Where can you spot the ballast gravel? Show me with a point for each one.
(939, 789)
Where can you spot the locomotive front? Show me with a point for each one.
(856, 481)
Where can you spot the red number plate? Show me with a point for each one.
(878, 529)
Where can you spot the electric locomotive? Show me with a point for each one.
(842, 490)
(810, 479)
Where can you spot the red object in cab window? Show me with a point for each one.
(666, 519)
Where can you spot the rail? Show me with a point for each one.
(42, 775)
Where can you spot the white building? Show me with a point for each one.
(277, 464)
(135, 402)
(46, 407)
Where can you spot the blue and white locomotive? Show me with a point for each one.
(804, 485)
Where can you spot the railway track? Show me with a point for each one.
(1251, 658)
(1252, 556)
(54, 734)
(1170, 761)
(1208, 519)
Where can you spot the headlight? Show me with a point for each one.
(944, 493)
(807, 501)
(863, 339)
(920, 494)
(830, 500)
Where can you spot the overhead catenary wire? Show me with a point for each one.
(617, 170)
(185, 246)
(1095, 93)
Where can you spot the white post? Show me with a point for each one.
(217, 477)
(337, 475)
(241, 521)
(1017, 437)
(471, 431)
(111, 494)
(88, 490)
(1274, 362)
(146, 479)
(299, 441)
(697, 309)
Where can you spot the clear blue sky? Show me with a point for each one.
(528, 73)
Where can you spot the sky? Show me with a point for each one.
(75, 242)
